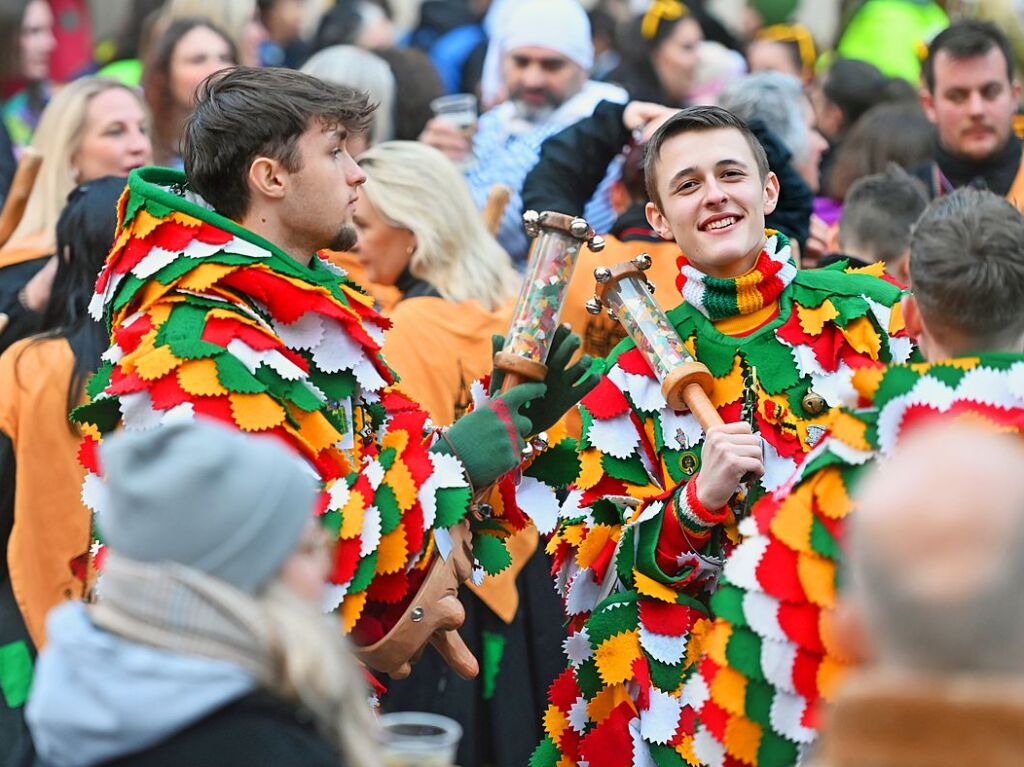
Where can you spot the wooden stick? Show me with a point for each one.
(21, 189)
(494, 209)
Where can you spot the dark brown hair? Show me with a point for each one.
(156, 81)
(245, 113)
(880, 212)
(694, 120)
(889, 133)
(967, 266)
(966, 39)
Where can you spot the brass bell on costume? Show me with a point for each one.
(813, 403)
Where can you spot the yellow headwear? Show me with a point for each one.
(792, 33)
(658, 11)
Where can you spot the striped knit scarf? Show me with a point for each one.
(719, 298)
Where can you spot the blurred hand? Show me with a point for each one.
(37, 290)
(817, 243)
(646, 116)
(449, 139)
(730, 451)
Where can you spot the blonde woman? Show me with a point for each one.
(420, 232)
(93, 127)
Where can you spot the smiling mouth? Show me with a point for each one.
(719, 224)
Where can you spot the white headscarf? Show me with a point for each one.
(558, 25)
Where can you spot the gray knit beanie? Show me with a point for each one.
(232, 505)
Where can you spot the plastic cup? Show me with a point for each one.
(459, 109)
(419, 739)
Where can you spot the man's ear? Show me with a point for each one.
(267, 178)
(658, 221)
(771, 193)
(849, 636)
(912, 316)
(927, 103)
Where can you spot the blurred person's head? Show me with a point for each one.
(717, 66)
(847, 90)
(363, 71)
(544, 53)
(969, 89)
(283, 19)
(879, 214)
(630, 187)
(952, 606)
(710, 188)
(201, 514)
(416, 85)
(668, 36)
(967, 276)
(404, 224)
(85, 232)
(238, 18)
(778, 100)
(889, 133)
(188, 51)
(271, 144)
(362, 23)
(92, 127)
(26, 43)
(786, 48)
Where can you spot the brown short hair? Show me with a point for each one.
(967, 266)
(694, 120)
(244, 113)
(966, 39)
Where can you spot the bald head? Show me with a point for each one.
(937, 551)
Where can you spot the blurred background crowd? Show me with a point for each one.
(486, 108)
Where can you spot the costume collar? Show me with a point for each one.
(718, 298)
(632, 225)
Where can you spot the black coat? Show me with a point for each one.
(257, 730)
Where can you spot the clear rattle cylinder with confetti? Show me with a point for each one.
(624, 291)
(557, 239)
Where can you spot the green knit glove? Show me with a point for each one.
(565, 385)
(489, 441)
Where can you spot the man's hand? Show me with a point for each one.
(730, 451)
(36, 293)
(817, 243)
(449, 139)
(646, 116)
(566, 384)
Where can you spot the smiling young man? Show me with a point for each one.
(655, 508)
(220, 307)
(971, 96)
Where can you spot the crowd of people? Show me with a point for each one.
(258, 449)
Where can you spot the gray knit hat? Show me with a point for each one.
(230, 504)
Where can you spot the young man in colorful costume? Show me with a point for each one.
(652, 513)
(219, 307)
(775, 653)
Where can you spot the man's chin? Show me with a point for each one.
(345, 238)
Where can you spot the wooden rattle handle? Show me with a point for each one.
(687, 388)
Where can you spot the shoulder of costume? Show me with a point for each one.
(167, 234)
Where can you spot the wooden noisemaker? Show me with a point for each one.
(557, 239)
(624, 290)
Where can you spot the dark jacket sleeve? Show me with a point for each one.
(573, 162)
(7, 163)
(792, 214)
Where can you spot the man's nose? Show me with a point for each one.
(533, 76)
(976, 103)
(354, 175)
(714, 192)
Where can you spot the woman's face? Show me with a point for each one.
(307, 567)
(198, 54)
(115, 138)
(675, 59)
(36, 41)
(383, 250)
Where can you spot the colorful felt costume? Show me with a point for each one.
(770, 658)
(209, 320)
(634, 560)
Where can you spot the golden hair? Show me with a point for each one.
(58, 137)
(415, 187)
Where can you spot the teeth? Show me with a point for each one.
(721, 223)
